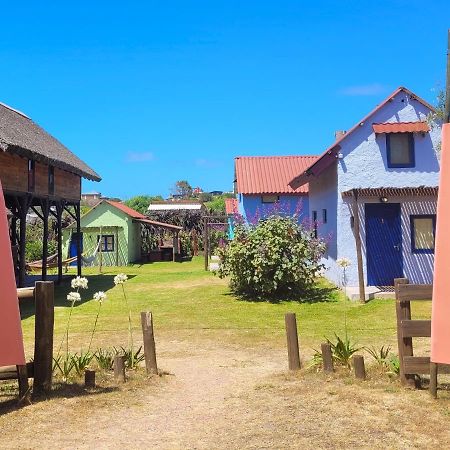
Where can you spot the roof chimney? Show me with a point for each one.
(338, 134)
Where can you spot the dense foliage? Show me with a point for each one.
(275, 258)
(140, 202)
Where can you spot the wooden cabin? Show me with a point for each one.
(38, 173)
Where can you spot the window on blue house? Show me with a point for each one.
(270, 198)
(422, 233)
(400, 150)
(107, 244)
(324, 216)
(314, 219)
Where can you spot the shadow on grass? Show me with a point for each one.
(317, 294)
(60, 390)
(96, 283)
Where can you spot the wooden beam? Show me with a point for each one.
(23, 209)
(205, 241)
(78, 219)
(117, 245)
(44, 208)
(409, 292)
(359, 258)
(59, 211)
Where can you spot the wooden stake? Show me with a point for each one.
(22, 375)
(292, 341)
(100, 251)
(89, 379)
(149, 343)
(43, 345)
(359, 367)
(433, 379)
(327, 358)
(119, 369)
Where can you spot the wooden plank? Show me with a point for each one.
(25, 293)
(359, 367)
(10, 372)
(409, 292)
(433, 379)
(416, 328)
(327, 358)
(119, 369)
(43, 345)
(421, 365)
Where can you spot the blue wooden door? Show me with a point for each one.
(73, 246)
(383, 243)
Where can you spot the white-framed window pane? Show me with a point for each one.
(423, 229)
(269, 198)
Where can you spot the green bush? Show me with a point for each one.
(276, 258)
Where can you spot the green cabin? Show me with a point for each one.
(112, 234)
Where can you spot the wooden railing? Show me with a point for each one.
(407, 329)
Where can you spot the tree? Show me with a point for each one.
(140, 202)
(183, 188)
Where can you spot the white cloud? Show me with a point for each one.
(363, 90)
(136, 157)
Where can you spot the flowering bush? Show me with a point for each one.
(277, 257)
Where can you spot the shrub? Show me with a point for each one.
(276, 257)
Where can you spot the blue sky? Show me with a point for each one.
(148, 93)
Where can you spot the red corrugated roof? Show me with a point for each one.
(231, 205)
(270, 174)
(331, 152)
(127, 210)
(401, 127)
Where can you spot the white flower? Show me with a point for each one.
(73, 297)
(343, 262)
(79, 282)
(99, 296)
(120, 279)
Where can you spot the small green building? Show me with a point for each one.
(111, 235)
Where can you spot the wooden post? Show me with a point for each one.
(149, 342)
(292, 341)
(100, 259)
(117, 246)
(45, 212)
(119, 369)
(327, 358)
(23, 209)
(174, 246)
(359, 367)
(43, 346)
(205, 241)
(59, 211)
(78, 216)
(22, 375)
(359, 258)
(89, 379)
(433, 379)
(405, 344)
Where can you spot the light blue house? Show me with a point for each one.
(373, 193)
(262, 185)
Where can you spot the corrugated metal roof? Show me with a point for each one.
(423, 191)
(401, 127)
(270, 174)
(127, 210)
(231, 206)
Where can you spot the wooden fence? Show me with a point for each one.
(407, 329)
(41, 367)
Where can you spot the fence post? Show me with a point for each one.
(89, 378)
(22, 375)
(119, 369)
(359, 367)
(405, 345)
(433, 379)
(44, 294)
(292, 341)
(327, 358)
(149, 342)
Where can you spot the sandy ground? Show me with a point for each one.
(217, 396)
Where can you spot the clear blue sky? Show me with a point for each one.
(148, 93)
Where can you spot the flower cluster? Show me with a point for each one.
(120, 279)
(99, 296)
(343, 262)
(73, 297)
(79, 283)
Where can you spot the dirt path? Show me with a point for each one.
(222, 397)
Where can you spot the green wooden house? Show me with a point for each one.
(111, 235)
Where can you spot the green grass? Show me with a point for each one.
(186, 300)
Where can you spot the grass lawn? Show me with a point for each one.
(186, 300)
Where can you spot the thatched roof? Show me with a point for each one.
(20, 135)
